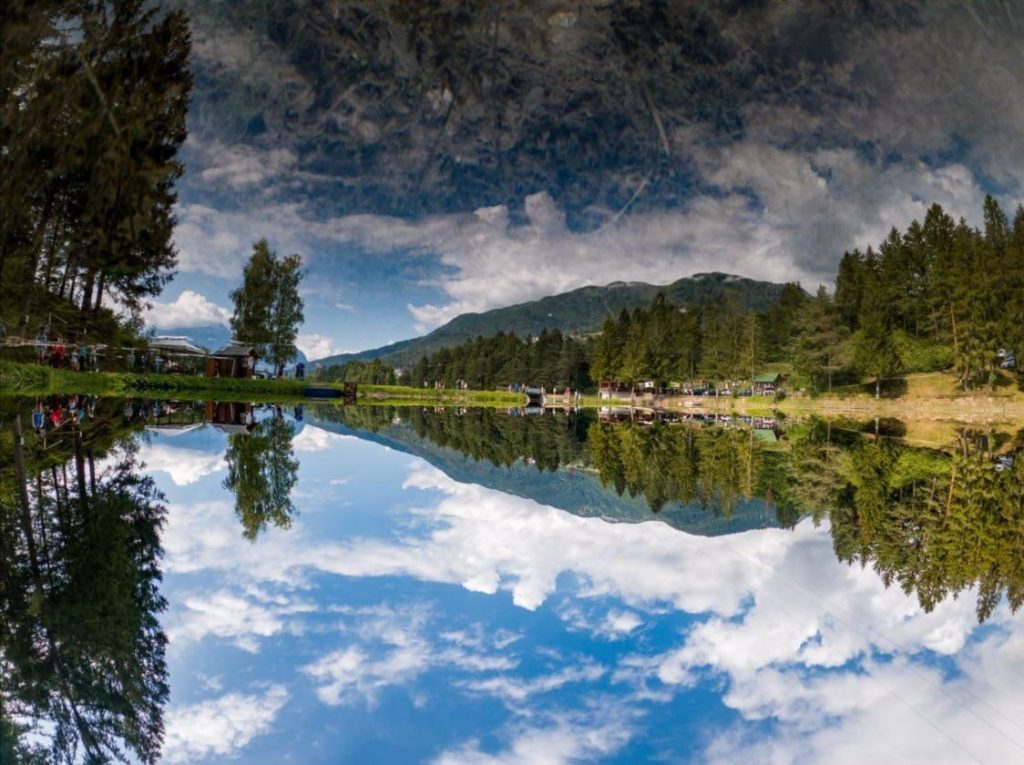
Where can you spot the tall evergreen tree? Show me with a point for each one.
(874, 352)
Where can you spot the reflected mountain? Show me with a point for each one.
(936, 522)
(550, 459)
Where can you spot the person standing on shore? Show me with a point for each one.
(41, 346)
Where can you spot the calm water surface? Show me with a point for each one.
(387, 585)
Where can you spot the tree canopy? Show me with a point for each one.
(268, 306)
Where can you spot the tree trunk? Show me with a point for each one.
(71, 287)
(87, 287)
(952, 323)
(92, 472)
(878, 387)
(26, 513)
(30, 270)
(99, 293)
(80, 472)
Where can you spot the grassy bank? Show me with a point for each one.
(35, 380)
(931, 396)
(922, 397)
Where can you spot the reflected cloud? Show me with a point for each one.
(222, 726)
(184, 466)
(561, 743)
(391, 648)
(810, 655)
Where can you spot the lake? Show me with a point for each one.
(359, 584)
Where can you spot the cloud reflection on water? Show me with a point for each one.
(809, 660)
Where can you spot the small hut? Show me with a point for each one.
(175, 344)
(231, 418)
(767, 384)
(177, 352)
(233, 360)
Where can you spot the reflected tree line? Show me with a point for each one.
(83, 676)
(936, 523)
(81, 648)
(933, 521)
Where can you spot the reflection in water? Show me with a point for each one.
(82, 649)
(937, 522)
(262, 473)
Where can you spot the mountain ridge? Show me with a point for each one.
(578, 311)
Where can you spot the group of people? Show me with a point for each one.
(53, 412)
(78, 356)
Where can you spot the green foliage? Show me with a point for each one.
(262, 471)
(921, 354)
(817, 341)
(944, 293)
(83, 649)
(935, 524)
(93, 115)
(551, 359)
(268, 307)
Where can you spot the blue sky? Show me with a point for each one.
(763, 141)
(407, 618)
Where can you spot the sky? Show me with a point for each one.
(406, 617)
(427, 162)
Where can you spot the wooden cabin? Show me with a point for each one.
(230, 417)
(233, 360)
(767, 383)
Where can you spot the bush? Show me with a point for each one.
(920, 355)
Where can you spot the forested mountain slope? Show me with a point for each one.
(579, 311)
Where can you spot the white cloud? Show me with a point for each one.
(314, 439)
(219, 242)
(560, 743)
(184, 466)
(778, 214)
(350, 673)
(189, 309)
(318, 346)
(513, 691)
(221, 727)
(391, 648)
(226, 614)
(240, 166)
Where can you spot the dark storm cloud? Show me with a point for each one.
(664, 138)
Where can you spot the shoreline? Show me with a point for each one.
(20, 379)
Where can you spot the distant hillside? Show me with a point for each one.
(579, 311)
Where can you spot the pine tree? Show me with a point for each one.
(874, 351)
